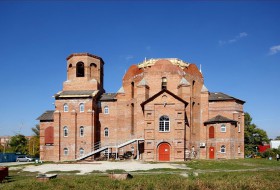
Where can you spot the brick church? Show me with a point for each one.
(162, 112)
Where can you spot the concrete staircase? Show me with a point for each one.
(98, 148)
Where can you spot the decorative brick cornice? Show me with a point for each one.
(84, 54)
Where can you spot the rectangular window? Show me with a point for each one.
(164, 124)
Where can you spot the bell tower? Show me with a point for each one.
(84, 72)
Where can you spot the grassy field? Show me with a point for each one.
(219, 174)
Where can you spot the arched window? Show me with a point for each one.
(93, 70)
(93, 65)
(82, 151)
(239, 127)
(238, 150)
(65, 107)
(82, 107)
(106, 132)
(66, 151)
(70, 65)
(164, 123)
(211, 132)
(132, 89)
(65, 131)
(223, 128)
(163, 83)
(80, 69)
(223, 149)
(106, 110)
(82, 131)
(49, 136)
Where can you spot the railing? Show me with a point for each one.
(99, 147)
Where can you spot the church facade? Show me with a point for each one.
(162, 112)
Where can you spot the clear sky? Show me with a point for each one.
(236, 43)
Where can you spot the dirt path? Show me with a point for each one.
(102, 166)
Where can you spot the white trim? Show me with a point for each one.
(223, 148)
(65, 107)
(82, 107)
(223, 126)
(106, 131)
(106, 109)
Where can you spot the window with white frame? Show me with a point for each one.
(65, 107)
(65, 131)
(106, 109)
(223, 149)
(164, 124)
(223, 128)
(82, 131)
(106, 132)
(82, 151)
(82, 107)
(65, 151)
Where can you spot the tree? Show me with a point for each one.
(253, 136)
(277, 138)
(18, 143)
(36, 130)
(34, 142)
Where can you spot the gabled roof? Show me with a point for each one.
(108, 97)
(47, 116)
(76, 94)
(204, 89)
(184, 82)
(161, 92)
(219, 96)
(121, 90)
(143, 82)
(219, 119)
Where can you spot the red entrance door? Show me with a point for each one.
(211, 152)
(164, 152)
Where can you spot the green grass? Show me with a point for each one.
(216, 175)
(232, 164)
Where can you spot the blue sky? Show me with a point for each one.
(236, 43)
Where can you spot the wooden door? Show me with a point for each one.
(164, 152)
(211, 152)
